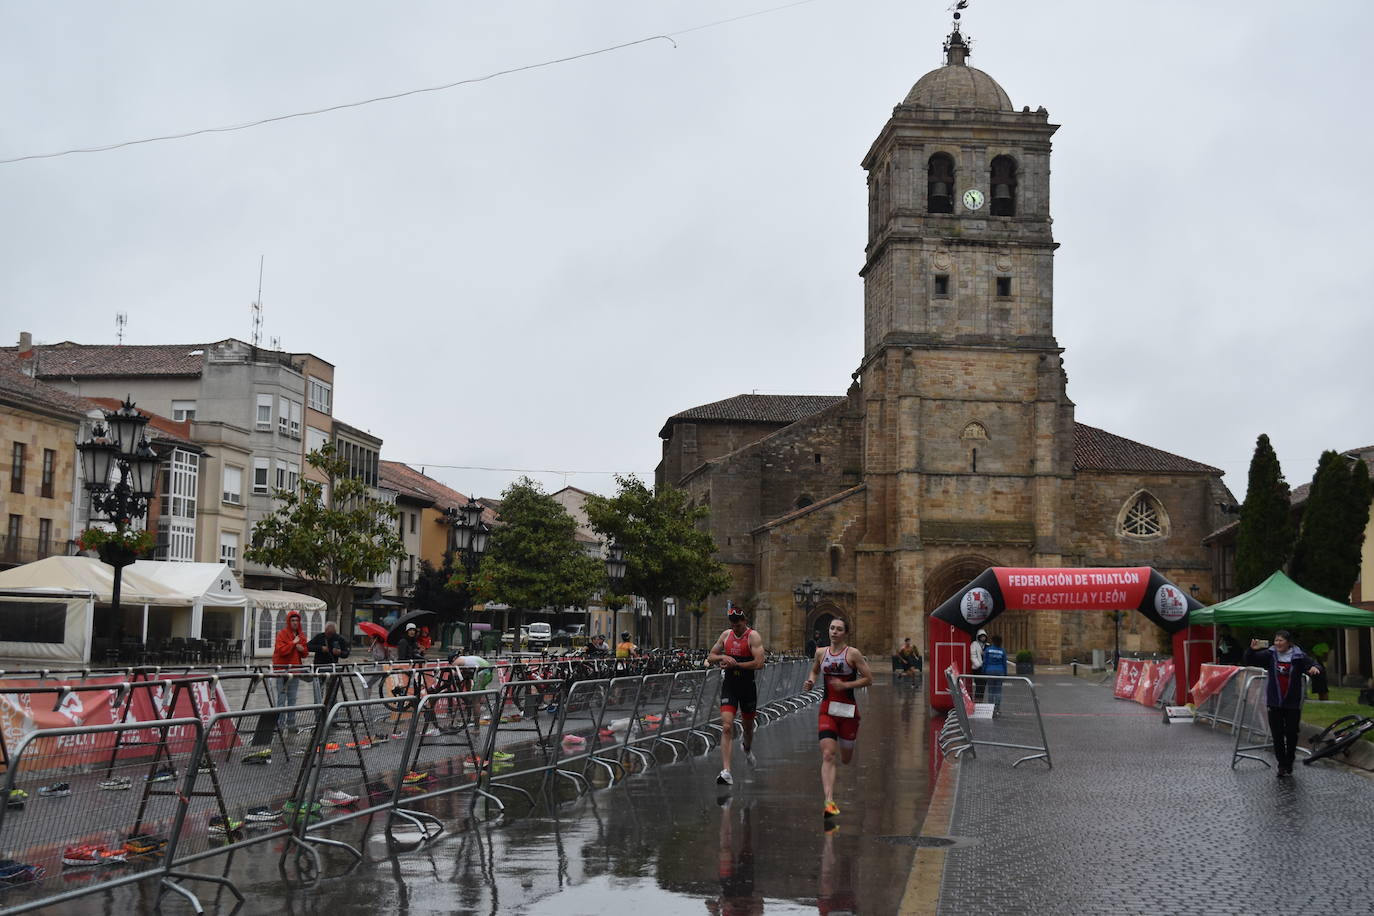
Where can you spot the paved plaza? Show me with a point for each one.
(1141, 817)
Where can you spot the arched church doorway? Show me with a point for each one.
(953, 576)
(819, 622)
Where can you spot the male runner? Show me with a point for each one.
(739, 653)
(845, 670)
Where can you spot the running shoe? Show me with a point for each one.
(331, 747)
(335, 798)
(431, 732)
(292, 806)
(91, 854)
(116, 783)
(725, 779)
(144, 844)
(16, 799)
(163, 775)
(224, 825)
(361, 744)
(205, 765)
(398, 736)
(832, 809)
(499, 756)
(605, 733)
(12, 872)
(750, 758)
(261, 814)
(413, 777)
(56, 790)
(263, 756)
(293, 813)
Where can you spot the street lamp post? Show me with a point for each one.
(119, 444)
(615, 574)
(1116, 651)
(470, 542)
(806, 594)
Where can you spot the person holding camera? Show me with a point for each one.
(1286, 663)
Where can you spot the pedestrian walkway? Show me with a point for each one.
(1141, 817)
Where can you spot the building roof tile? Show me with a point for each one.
(74, 360)
(781, 409)
(1097, 450)
(405, 479)
(18, 387)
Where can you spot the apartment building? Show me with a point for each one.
(255, 414)
(39, 425)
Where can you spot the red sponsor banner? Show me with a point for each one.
(1127, 674)
(1145, 683)
(22, 714)
(1164, 674)
(1211, 678)
(1073, 589)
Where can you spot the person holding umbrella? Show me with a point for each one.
(408, 646)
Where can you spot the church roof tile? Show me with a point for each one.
(1098, 450)
(755, 408)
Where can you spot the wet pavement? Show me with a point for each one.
(664, 841)
(1141, 817)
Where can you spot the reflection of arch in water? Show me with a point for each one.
(820, 617)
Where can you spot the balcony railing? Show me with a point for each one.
(15, 551)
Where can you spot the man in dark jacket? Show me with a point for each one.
(330, 649)
(1286, 663)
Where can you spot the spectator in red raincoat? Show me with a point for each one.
(288, 652)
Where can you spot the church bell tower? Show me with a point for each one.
(968, 446)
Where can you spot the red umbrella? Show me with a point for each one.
(373, 629)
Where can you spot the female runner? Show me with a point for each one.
(845, 670)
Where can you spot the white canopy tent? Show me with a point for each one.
(30, 596)
(270, 612)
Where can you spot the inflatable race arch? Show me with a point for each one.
(958, 619)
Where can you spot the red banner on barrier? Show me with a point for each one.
(1127, 674)
(1212, 679)
(1145, 683)
(1164, 676)
(22, 714)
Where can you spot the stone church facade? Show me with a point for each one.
(956, 447)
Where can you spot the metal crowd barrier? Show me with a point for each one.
(153, 796)
(1223, 707)
(1251, 726)
(1009, 717)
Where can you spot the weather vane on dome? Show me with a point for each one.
(956, 47)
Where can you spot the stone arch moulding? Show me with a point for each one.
(1142, 517)
(951, 576)
(973, 429)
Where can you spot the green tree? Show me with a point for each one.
(1326, 558)
(1265, 539)
(668, 553)
(329, 544)
(533, 559)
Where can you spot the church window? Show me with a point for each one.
(1003, 186)
(974, 430)
(803, 501)
(942, 286)
(1143, 518)
(818, 457)
(834, 562)
(1004, 287)
(940, 184)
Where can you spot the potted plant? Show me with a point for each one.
(1025, 663)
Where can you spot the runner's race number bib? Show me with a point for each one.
(841, 710)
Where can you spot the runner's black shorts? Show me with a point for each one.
(740, 694)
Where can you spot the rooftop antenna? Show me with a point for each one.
(274, 342)
(121, 319)
(257, 309)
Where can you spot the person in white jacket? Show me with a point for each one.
(975, 662)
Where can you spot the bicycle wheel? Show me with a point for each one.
(396, 687)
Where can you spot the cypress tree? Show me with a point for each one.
(1326, 559)
(1265, 539)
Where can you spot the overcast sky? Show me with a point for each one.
(536, 270)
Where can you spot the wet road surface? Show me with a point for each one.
(664, 841)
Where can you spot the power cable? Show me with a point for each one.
(399, 95)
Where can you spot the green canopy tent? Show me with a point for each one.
(1280, 602)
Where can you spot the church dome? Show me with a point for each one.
(958, 86)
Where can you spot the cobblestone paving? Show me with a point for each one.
(1141, 817)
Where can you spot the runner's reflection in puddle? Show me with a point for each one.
(836, 894)
(737, 894)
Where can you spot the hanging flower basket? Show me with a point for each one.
(116, 548)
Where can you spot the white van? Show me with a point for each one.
(539, 634)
